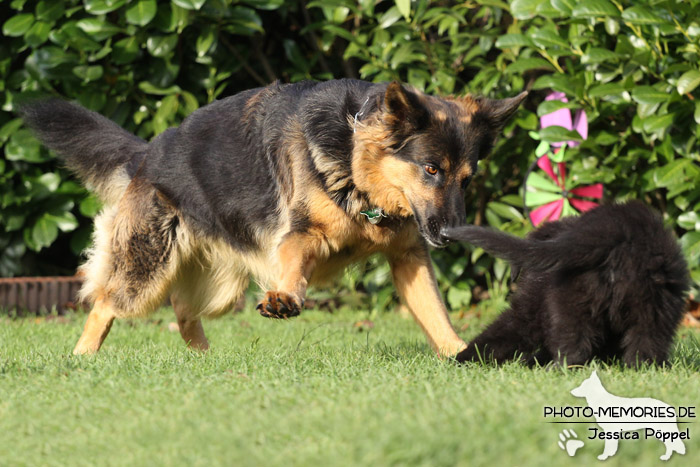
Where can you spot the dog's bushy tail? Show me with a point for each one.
(92, 146)
(558, 252)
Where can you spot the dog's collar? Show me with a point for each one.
(374, 216)
(360, 113)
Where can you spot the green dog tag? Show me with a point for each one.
(374, 216)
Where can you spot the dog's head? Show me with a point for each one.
(419, 153)
(588, 386)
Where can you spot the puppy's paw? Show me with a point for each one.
(469, 354)
(279, 305)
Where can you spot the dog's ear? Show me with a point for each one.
(403, 110)
(497, 112)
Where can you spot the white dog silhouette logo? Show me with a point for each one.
(617, 415)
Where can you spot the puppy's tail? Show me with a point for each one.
(92, 146)
(513, 249)
(559, 252)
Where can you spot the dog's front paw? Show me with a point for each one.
(279, 305)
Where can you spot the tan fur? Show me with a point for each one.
(415, 282)
(188, 324)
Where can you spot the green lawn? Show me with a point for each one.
(312, 391)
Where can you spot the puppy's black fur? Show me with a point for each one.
(608, 284)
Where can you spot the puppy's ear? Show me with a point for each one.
(498, 111)
(403, 109)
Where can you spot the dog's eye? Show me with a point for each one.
(431, 169)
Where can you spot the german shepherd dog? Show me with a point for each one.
(608, 284)
(286, 183)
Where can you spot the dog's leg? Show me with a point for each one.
(96, 329)
(415, 282)
(642, 346)
(568, 343)
(500, 342)
(189, 324)
(609, 450)
(297, 257)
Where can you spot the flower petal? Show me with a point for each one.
(592, 191)
(556, 96)
(561, 117)
(581, 123)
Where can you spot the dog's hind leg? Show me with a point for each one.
(609, 450)
(209, 285)
(570, 340)
(642, 344)
(500, 342)
(132, 264)
(96, 328)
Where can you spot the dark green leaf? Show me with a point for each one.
(141, 12)
(18, 25)
(557, 82)
(556, 134)
(547, 107)
(649, 95)
(594, 8)
(404, 7)
(100, 7)
(607, 89)
(564, 6)
(391, 16)
(525, 64)
(190, 4)
(126, 50)
(88, 73)
(90, 206)
(690, 243)
(688, 81)
(9, 128)
(267, 4)
(98, 29)
(505, 211)
(640, 14)
(656, 123)
(149, 88)
(44, 232)
(524, 9)
(598, 55)
(37, 34)
(23, 146)
(507, 41)
(161, 46)
(49, 10)
(689, 221)
(672, 173)
(546, 38)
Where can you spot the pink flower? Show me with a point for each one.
(562, 117)
(569, 198)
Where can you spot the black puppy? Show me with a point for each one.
(610, 283)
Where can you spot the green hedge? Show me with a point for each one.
(632, 66)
